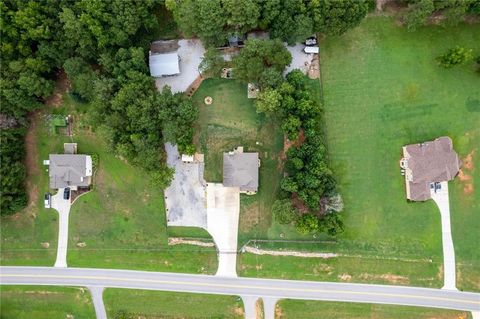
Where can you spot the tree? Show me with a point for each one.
(455, 56)
(283, 211)
(291, 125)
(336, 17)
(288, 184)
(212, 63)
(418, 13)
(307, 224)
(268, 101)
(242, 16)
(259, 55)
(332, 223)
(292, 23)
(271, 78)
(12, 192)
(210, 20)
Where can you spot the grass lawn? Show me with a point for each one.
(159, 304)
(231, 121)
(26, 302)
(120, 224)
(383, 89)
(331, 310)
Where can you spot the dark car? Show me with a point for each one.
(66, 193)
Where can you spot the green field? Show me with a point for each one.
(120, 224)
(383, 89)
(287, 309)
(159, 304)
(231, 121)
(26, 302)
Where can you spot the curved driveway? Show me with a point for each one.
(272, 288)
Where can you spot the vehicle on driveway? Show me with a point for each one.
(66, 193)
(48, 200)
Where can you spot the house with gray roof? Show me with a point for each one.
(241, 170)
(426, 164)
(69, 170)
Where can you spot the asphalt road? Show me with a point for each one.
(281, 289)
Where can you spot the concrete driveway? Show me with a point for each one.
(62, 206)
(185, 197)
(440, 197)
(223, 211)
(191, 53)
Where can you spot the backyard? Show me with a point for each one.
(231, 121)
(382, 90)
(44, 302)
(120, 224)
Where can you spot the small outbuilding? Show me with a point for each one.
(164, 59)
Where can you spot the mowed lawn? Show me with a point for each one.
(304, 309)
(382, 90)
(160, 304)
(121, 223)
(231, 121)
(44, 302)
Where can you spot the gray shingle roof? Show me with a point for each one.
(241, 170)
(69, 170)
(429, 162)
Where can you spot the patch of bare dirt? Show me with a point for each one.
(278, 312)
(45, 245)
(345, 277)
(394, 279)
(61, 86)
(299, 204)
(31, 159)
(468, 161)
(463, 175)
(178, 241)
(258, 251)
(259, 309)
(238, 311)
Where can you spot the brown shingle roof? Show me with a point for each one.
(428, 162)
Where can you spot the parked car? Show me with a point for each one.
(48, 200)
(66, 193)
(311, 41)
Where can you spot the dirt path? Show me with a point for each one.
(258, 251)
(32, 157)
(61, 86)
(182, 241)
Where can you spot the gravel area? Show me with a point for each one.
(191, 52)
(185, 197)
(299, 58)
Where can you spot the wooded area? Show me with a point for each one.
(102, 46)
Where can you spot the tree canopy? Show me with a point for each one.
(257, 56)
(288, 20)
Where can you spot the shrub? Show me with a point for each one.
(307, 224)
(283, 211)
(455, 56)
